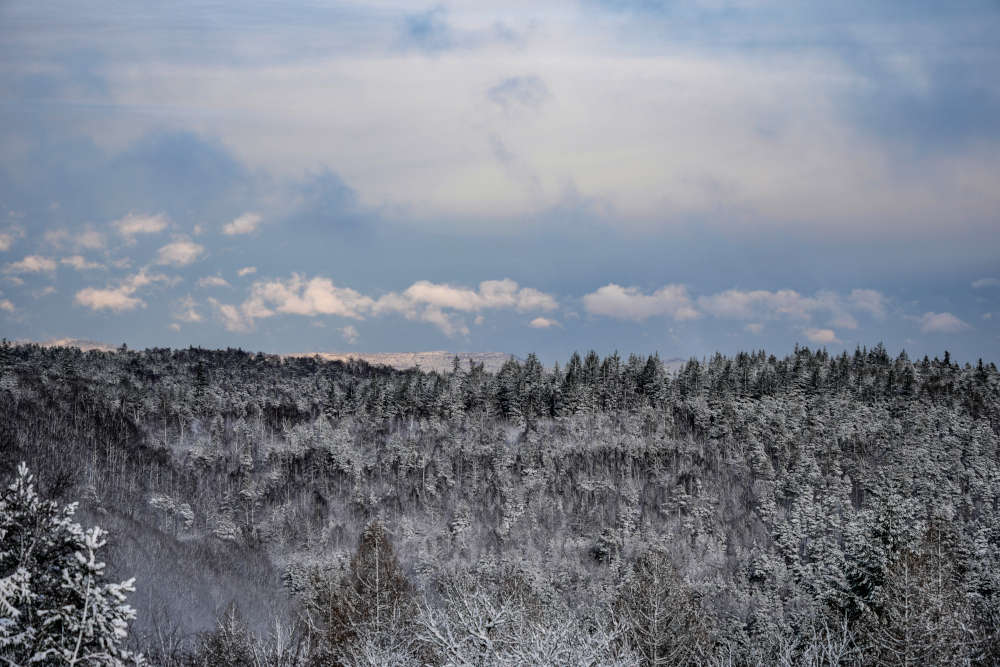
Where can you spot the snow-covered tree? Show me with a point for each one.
(56, 606)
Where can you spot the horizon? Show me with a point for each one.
(393, 358)
(508, 177)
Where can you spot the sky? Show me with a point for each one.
(680, 178)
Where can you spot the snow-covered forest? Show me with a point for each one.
(748, 510)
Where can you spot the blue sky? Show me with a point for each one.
(472, 176)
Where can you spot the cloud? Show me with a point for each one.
(232, 317)
(213, 281)
(844, 320)
(57, 237)
(5, 304)
(423, 301)
(428, 30)
(787, 303)
(754, 327)
(986, 282)
(870, 301)
(246, 271)
(492, 294)
(350, 334)
(135, 223)
(90, 239)
(80, 263)
(6, 241)
(629, 303)
(940, 323)
(823, 336)
(174, 326)
(744, 305)
(32, 264)
(429, 302)
(245, 224)
(117, 299)
(87, 239)
(185, 310)
(543, 323)
(299, 296)
(179, 253)
(120, 298)
(448, 324)
(519, 91)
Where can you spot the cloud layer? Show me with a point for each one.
(424, 301)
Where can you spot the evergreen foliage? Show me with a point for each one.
(56, 607)
(810, 509)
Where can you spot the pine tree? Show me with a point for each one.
(55, 605)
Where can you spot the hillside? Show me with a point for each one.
(779, 506)
(439, 361)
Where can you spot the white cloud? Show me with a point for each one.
(492, 294)
(87, 239)
(738, 136)
(90, 239)
(986, 282)
(745, 305)
(823, 336)
(245, 224)
(754, 327)
(213, 281)
(246, 271)
(350, 334)
(442, 296)
(430, 302)
(628, 303)
(423, 301)
(448, 324)
(117, 299)
(32, 264)
(5, 304)
(543, 323)
(185, 310)
(6, 241)
(870, 301)
(787, 303)
(232, 317)
(120, 298)
(57, 237)
(179, 253)
(45, 291)
(298, 296)
(80, 263)
(140, 223)
(174, 326)
(844, 320)
(940, 323)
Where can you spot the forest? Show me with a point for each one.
(808, 509)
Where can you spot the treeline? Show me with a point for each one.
(810, 509)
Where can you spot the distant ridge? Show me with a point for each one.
(84, 345)
(436, 360)
(433, 360)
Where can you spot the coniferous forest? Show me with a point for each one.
(806, 509)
